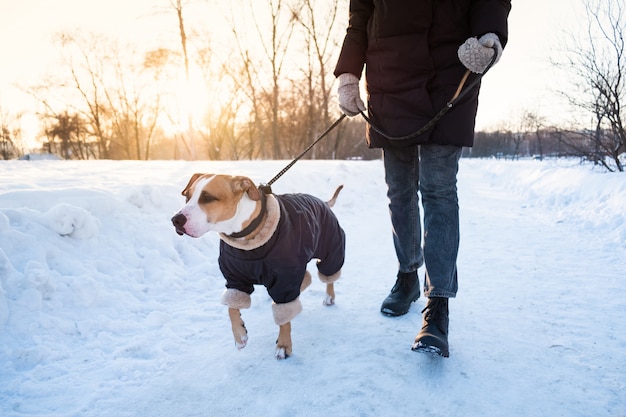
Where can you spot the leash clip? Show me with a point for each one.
(265, 188)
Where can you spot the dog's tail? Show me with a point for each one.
(333, 199)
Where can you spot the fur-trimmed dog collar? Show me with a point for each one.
(269, 227)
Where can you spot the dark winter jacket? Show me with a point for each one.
(409, 50)
(307, 229)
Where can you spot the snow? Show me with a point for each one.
(106, 311)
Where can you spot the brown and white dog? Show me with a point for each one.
(266, 239)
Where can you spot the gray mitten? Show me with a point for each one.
(349, 96)
(476, 54)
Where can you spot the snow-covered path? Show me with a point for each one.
(105, 311)
(540, 307)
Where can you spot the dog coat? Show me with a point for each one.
(306, 229)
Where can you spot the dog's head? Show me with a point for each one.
(218, 203)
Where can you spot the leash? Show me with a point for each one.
(461, 91)
(267, 188)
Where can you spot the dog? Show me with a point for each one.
(265, 239)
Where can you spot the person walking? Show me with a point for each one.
(415, 53)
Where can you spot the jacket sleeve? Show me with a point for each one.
(352, 55)
(490, 16)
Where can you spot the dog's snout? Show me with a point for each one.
(179, 221)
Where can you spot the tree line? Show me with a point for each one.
(269, 94)
(269, 98)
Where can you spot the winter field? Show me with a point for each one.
(105, 311)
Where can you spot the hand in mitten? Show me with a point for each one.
(476, 54)
(349, 96)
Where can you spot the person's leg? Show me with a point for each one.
(402, 178)
(438, 177)
(438, 170)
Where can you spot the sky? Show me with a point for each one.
(106, 312)
(524, 79)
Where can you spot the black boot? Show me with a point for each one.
(433, 337)
(405, 291)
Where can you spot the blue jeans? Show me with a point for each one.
(431, 170)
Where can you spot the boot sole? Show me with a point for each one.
(391, 313)
(434, 350)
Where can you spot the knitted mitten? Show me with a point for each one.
(476, 54)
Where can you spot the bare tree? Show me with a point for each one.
(65, 131)
(533, 125)
(10, 135)
(69, 129)
(275, 51)
(114, 92)
(319, 25)
(245, 77)
(272, 37)
(597, 61)
(178, 6)
(134, 101)
(222, 137)
(83, 56)
(7, 147)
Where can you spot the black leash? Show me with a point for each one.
(460, 93)
(267, 188)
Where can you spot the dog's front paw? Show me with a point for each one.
(240, 333)
(242, 342)
(282, 353)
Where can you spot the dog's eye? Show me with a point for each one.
(206, 198)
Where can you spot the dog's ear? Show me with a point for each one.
(246, 185)
(193, 179)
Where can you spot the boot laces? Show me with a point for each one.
(436, 310)
(403, 284)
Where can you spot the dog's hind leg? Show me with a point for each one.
(329, 300)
